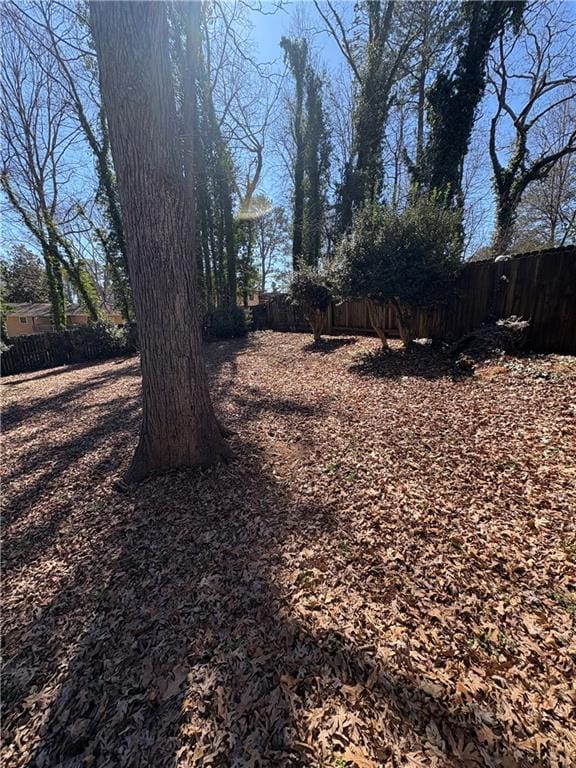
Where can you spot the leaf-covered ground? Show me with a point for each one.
(385, 576)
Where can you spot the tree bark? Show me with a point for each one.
(316, 319)
(505, 216)
(55, 286)
(404, 315)
(179, 428)
(375, 323)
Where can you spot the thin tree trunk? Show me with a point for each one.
(263, 274)
(404, 315)
(179, 427)
(223, 292)
(205, 247)
(230, 248)
(375, 322)
(316, 319)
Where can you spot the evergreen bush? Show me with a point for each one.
(226, 323)
(409, 258)
(96, 341)
(311, 289)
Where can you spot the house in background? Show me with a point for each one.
(26, 319)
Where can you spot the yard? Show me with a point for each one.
(385, 575)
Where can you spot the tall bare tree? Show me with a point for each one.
(179, 427)
(245, 90)
(532, 75)
(546, 215)
(38, 136)
(58, 37)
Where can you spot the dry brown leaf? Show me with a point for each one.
(389, 563)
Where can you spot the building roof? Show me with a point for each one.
(44, 310)
(34, 310)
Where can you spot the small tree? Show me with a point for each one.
(408, 257)
(24, 277)
(310, 289)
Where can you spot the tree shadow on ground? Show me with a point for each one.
(55, 475)
(256, 401)
(15, 414)
(327, 346)
(418, 360)
(176, 639)
(191, 653)
(12, 381)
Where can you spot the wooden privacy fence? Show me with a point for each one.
(47, 350)
(538, 286)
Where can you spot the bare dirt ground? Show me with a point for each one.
(385, 575)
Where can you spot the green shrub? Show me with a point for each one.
(96, 341)
(130, 338)
(408, 257)
(311, 289)
(226, 323)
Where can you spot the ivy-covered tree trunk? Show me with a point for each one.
(116, 252)
(317, 149)
(55, 286)
(298, 223)
(76, 271)
(454, 97)
(221, 261)
(505, 216)
(115, 248)
(249, 230)
(296, 53)
(363, 177)
(49, 247)
(117, 273)
(230, 248)
(179, 427)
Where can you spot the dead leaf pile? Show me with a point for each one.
(385, 575)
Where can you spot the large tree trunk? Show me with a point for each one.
(179, 428)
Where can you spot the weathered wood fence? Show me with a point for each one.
(539, 287)
(47, 350)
